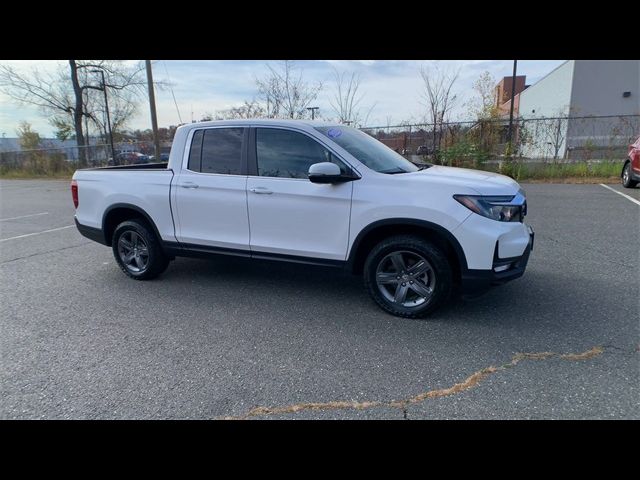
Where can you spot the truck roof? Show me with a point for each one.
(273, 122)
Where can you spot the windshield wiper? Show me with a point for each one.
(393, 171)
(423, 166)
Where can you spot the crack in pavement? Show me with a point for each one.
(44, 253)
(470, 382)
(622, 351)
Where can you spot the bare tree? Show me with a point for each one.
(346, 100)
(346, 97)
(64, 96)
(285, 92)
(248, 109)
(554, 135)
(545, 137)
(438, 84)
(123, 104)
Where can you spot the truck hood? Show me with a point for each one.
(485, 183)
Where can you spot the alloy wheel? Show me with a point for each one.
(406, 279)
(133, 251)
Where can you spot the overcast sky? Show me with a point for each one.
(202, 86)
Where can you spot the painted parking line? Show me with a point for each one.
(23, 216)
(35, 233)
(620, 193)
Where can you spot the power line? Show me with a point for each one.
(171, 88)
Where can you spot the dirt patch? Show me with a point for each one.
(595, 351)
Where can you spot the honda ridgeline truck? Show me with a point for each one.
(314, 193)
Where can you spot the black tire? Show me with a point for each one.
(154, 262)
(627, 181)
(381, 263)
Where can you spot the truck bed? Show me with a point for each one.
(146, 187)
(142, 166)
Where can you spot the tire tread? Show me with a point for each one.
(631, 183)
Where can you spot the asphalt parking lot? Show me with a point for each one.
(231, 338)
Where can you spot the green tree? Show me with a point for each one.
(64, 130)
(486, 134)
(29, 139)
(483, 104)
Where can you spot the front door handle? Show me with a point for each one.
(189, 185)
(261, 190)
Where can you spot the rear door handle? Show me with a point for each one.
(189, 185)
(261, 190)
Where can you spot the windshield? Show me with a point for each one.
(374, 154)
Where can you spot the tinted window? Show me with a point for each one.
(374, 154)
(283, 153)
(221, 151)
(195, 152)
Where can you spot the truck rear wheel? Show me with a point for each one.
(137, 250)
(408, 276)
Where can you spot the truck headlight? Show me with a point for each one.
(507, 208)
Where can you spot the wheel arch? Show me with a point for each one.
(120, 212)
(375, 232)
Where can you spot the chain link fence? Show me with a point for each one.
(65, 160)
(534, 140)
(475, 144)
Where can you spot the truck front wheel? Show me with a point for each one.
(408, 276)
(627, 181)
(137, 250)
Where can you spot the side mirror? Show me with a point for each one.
(327, 172)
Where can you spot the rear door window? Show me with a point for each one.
(217, 150)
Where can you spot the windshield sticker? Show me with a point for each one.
(334, 132)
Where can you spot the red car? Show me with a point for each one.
(631, 169)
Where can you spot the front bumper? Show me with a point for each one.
(474, 282)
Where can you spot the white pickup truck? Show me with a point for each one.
(314, 193)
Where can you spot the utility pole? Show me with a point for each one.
(106, 109)
(313, 112)
(152, 106)
(86, 125)
(513, 95)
